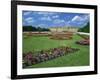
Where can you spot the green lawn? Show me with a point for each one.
(80, 58)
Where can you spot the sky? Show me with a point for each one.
(54, 19)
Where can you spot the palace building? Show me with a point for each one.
(63, 29)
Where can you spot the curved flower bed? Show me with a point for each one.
(32, 58)
(83, 42)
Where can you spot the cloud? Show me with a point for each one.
(45, 13)
(80, 18)
(57, 21)
(27, 13)
(86, 17)
(55, 16)
(46, 18)
(76, 18)
(42, 25)
(29, 20)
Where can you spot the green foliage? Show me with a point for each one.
(27, 28)
(33, 28)
(85, 28)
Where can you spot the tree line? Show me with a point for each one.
(85, 28)
(33, 28)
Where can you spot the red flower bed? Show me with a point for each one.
(83, 42)
(44, 55)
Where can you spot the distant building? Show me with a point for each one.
(63, 29)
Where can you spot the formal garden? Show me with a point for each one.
(42, 50)
(55, 39)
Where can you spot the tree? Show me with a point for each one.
(85, 28)
(34, 28)
(27, 28)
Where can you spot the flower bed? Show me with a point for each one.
(83, 42)
(32, 58)
(62, 35)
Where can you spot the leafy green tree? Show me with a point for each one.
(85, 28)
(33, 28)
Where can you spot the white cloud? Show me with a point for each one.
(45, 13)
(57, 21)
(29, 20)
(42, 25)
(26, 13)
(46, 18)
(86, 17)
(55, 16)
(76, 18)
(80, 18)
(41, 12)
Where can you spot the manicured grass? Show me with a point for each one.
(80, 58)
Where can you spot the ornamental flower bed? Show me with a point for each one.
(61, 35)
(32, 58)
(83, 42)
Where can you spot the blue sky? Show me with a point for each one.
(54, 19)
